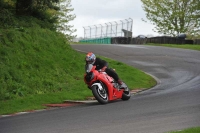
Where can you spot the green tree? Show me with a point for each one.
(173, 16)
(55, 14)
(24, 7)
(29, 7)
(65, 17)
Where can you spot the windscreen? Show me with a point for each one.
(88, 68)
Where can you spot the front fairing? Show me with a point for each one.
(90, 74)
(89, 68)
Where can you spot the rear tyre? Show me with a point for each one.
(100, 95)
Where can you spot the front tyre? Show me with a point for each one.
(100, 94)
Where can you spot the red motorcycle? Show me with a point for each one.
(104, 87)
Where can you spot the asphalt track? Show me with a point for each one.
(173, 104)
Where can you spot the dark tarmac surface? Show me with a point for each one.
(173, 104)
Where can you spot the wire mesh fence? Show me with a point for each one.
(120, 32)
(121, 28)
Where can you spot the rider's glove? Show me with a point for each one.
(103, 69)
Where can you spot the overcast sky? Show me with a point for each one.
(93, 12)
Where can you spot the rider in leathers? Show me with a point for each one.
(103, 65)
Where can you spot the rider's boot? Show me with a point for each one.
(121, 84)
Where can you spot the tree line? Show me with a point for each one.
(55, 12)
(172, 17)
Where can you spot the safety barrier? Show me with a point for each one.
(106, 40)
(129, 40)
(197, 41)
(169, 40)
(120, 40)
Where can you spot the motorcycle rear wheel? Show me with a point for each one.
(100, 95)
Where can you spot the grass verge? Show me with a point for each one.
(38, 66)
(134, 78)
(184, 46)
(189, 130)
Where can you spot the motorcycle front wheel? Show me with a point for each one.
(101, 95)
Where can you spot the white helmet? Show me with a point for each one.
(90, 58)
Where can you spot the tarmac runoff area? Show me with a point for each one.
(66, 103)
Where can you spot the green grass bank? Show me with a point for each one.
(189, 130)
(38, 66)
(183, 46)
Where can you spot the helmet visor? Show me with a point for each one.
(90, 62)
